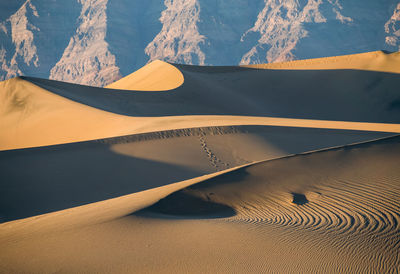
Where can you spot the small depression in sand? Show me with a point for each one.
(185, 204)
(299, 199)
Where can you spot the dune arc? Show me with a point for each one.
(279, 168)
(372, 61)
(350, 199)
(176, 155)
(252, 92)
(350, 222)
(208, 96)
(155, 76)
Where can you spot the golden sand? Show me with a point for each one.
(122, 180)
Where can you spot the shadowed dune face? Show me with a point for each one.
(81, 173)
(346, 197)
(50, 112)
(235, 169)
(310, 94)
(255, 214)
(181, 204)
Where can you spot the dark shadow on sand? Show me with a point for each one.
(183, 204)
(299, 199)
(45, 179)
(341, 95)
(42, 180)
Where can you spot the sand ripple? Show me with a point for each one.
(347, 198)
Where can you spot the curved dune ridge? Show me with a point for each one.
(373, 61)
(155, 76)
(125, 161)
(283, 168)
(347, 198)
(52, 112)
(329, 210)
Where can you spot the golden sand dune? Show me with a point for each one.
(344, 200)
(373, 61)
(156, 76)
(291, 168)
(327, 211)
(120, 166)
(52, 112)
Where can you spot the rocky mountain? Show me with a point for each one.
(87, 59)
(392, 29)
(96, 42)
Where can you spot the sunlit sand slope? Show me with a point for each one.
(38, 112)
(155, 76)
(299, 94)
(373, 61)
(46, 179)
(178, 169)
(344, 199)
(32, 116)
(328, 211)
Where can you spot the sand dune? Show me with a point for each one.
(252, 92)
(344, 199)
(328, 211)
(289, 167)
(156, 76)
(52, 112)
(372, 61)
(120, 166)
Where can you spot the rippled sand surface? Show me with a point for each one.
(277, 168)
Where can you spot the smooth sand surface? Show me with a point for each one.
(156, 76)
(179, 168)
(373, 61)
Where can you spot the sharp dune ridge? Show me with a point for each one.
(352, 208)
(168, 77)
(247, 88)
(285, 167)
(53, 112)
(176, 155)
(342, 200)
(374, 61)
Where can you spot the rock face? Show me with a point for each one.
(281, 26)
(87, 60)
(20, 30)
(392, 28)
(179, 39)
(96, 42)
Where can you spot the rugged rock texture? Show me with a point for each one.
(97, 41)
(18, 27)
(179, 39)
(392, 28)
(281, 27)
(87, 60)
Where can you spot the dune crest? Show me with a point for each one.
(345, 198)
(327, 211)
(32, 116)
(155, 76)
(371, 61)
(252, 170)
(39, 112)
